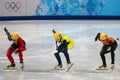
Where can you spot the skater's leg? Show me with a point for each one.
(9, 55)
(57, 56)
(102, 54)
(112, 57)
(20, 54)
(113, 48)
(112, 60)
(10, 51)
(64, 49)
(66, 54)
(59, 65)
(103, 60)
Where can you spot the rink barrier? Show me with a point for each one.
(7, 18)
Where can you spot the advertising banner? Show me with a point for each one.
(60, 8)
(79, 7)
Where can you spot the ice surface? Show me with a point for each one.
(39, 59)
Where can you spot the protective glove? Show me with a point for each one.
(8, 34)
(16, 51)
(97, 36)
(53, 31)
(56, 51)
(5, 29)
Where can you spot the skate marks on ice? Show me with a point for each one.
(49, 70)
(45, 70)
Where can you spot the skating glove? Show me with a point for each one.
(97, 37)
(53, 31)
(56, 51)
(16, 51)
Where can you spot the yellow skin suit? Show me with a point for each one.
(68, 40)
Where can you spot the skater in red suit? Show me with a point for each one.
(17, 47)
(109, 45)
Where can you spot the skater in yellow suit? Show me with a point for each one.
(63, 44)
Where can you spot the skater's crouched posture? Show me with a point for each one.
(109, 45)
(63, 44)
(16, 47)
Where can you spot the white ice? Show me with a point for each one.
(39, 57)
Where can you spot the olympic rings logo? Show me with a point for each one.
(13, 6)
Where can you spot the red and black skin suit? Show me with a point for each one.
(16, 47)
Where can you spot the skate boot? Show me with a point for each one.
(22, 65)
(58, 66)
(102, 67)
(112, 67)
(68, 65)
(10, 66)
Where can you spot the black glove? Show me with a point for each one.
(53, 31)
(7, 33)
(5, 29)
(97, 37)
(16, 51)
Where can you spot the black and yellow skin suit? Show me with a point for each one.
(66, 43)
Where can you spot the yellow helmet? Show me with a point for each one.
(14, 36)
(103, 36)
(57, 36)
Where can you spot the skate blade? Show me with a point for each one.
(69, 67)
(10, 69)
(102, 69)
(58, 69)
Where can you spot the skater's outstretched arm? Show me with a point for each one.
(8, 34)
(55, 41)
(53, 31)
(97, 37)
